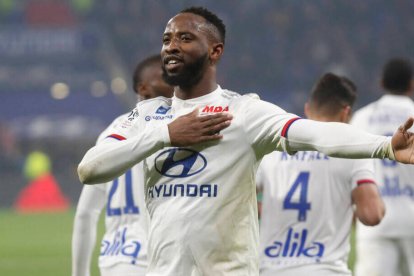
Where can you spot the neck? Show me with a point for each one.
(206, 85)
(406, 93)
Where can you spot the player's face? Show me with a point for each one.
(152, 84)
(185, 50)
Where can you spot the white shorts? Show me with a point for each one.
(385, 257)
(123, 269)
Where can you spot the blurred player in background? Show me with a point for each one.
(201, 150)
(307, 198)
(124, 245)
(381, 250)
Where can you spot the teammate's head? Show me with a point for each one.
(147, 79)
(193, 42)
(331, 99)
(397, 76)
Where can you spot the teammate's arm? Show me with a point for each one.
(91, 202)
(108, 160)
(370, 208)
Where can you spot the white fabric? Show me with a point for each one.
(385, 241)
(307, 212)
(125, 238)
(338, 140)
(397, 259)
(201, 199)
(396, 181)
(123, 270)
(91, 202)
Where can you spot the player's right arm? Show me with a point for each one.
(91, 202)
(370, 208)
(112, 158)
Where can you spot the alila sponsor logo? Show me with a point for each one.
(392, 187)
(214, 109)
(119, 245)
(294, 246)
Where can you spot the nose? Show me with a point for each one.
(172, 47)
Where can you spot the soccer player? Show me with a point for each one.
(123, 248)
(201, 150)
(381, 249)
(307, 198)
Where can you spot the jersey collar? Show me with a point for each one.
(208, 98)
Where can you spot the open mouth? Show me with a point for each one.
(172, 63)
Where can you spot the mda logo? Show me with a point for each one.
(180, 162)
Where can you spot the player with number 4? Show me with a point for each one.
(307, 198)
(124, 245)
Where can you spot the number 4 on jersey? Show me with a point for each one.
(302, 205)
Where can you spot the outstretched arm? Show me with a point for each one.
(346, 141)
(108, 160)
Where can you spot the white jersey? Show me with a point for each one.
(395, 180)
(126, 217)
(307, 212)
(201, 199)
(126, 220)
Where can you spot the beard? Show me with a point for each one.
(190, 74)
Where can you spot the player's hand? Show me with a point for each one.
(191, 128)
(403, 143)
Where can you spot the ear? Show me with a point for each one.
(307, 110)
(345, 115)
(140, 87)
(412, 85)
(216, 52)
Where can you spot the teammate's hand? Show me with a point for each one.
(403, 143)
(191, 128)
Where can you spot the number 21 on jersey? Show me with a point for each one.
(299, 186)
(130, 207)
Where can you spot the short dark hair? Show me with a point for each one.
(331, 93)
(211, 18)
(397, 75)
(137, 76)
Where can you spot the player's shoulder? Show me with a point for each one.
(236, 98)
(150, 104)
(110, 128)
(226, 93)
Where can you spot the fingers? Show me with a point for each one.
(213, 137)
(407, 125)
(216, 120)
(216, 128)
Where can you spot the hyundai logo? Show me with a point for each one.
(180, 162)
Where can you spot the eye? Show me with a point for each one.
(186, 37)
(165, 40)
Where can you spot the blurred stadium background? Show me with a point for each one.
(65, 73)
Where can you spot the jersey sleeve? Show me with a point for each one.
(265, 124)
(362, 172)
(336, 140)
(126, 146)
(90, 205)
